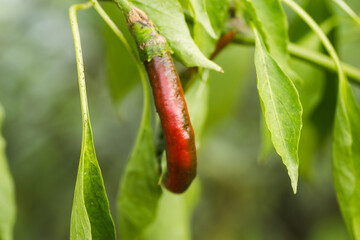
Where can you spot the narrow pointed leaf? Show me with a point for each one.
(90, 218)
(169, 18)
(281, 107)
(7, 193)
(346, 158)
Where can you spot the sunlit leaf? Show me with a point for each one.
(7, 193)
(346, 157)
(281, 107)
(90, 218)
(169, 18)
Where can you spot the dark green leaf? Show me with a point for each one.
(169, 18)
(90, 218)
(7, 193)
(281, 107)
(139, 191)
(346, 157)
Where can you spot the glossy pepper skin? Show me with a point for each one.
(178, 132)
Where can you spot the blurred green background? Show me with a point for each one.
(242, 197)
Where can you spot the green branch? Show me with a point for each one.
(317, 30)
(309, 56)
(348, 10)
(323, 60)
(124, 5)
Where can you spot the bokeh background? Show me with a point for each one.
(244, 195)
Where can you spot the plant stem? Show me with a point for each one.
(324, 61)
(79, 57)
(348, 10)
(317, 30)
(310, 56)
(124, 5)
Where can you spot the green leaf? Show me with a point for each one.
(346, 157)
(90, 217)
(7, 192)
(217, 11)
(201, 16)
(273, 19)
(139, 191)
(275, 27)
(169, 18)
(281, 107)
(173, 219)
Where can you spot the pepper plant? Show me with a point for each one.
(158, 188)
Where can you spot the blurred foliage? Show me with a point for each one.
(241, 198)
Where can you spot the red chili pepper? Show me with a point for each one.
(175, 121)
